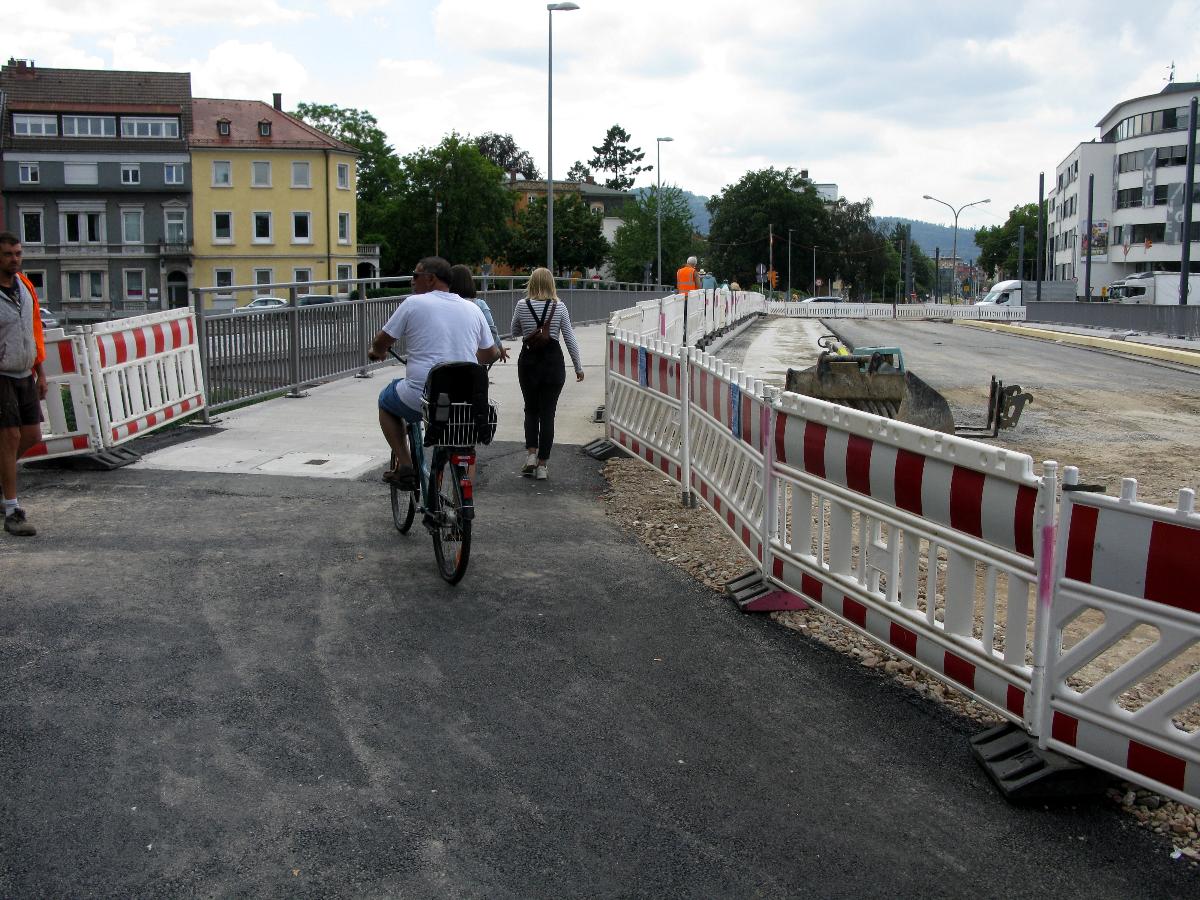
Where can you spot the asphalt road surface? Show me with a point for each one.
(252, 685)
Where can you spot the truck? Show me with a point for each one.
(1018, 293)
(1153, 288)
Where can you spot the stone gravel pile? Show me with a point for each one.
(648, 505)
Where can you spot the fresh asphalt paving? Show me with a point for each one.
(225, 683)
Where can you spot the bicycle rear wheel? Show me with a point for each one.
(404, 504)
(451, 528)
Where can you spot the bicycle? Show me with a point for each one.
(443, 492)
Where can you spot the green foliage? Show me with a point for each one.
(504, 153)
(616, 156)
(636, 241)
(578, 172)
(578, 235)
(854, 250)
(999, 251)
(741, 218)
(475, 206)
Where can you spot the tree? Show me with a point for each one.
(636, 241)
(998, 245)
(475, 205)
(578, 235)
(503, 151)
(856, 248)
(615, 155)
(378, 168)
(742, 216)
(578, 172)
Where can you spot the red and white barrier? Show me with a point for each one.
(963, 311)
(69, 423)
(146, 372)
(1124, 567)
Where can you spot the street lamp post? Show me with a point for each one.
(551, 9)
(954, 251)
(437, 216)
(788, 299)
(658, 203)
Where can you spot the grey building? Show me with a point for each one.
(96, 182)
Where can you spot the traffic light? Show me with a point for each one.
(772, 277)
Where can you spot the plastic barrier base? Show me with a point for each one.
(601, 448)
(1026, 774)
(598, 416)
(752, 594)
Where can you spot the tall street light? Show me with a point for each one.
(551, 9)
(954, 252)
(658, 203)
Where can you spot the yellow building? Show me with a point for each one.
(273, 201)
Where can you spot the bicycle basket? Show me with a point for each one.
(453, 424)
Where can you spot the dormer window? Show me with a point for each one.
(264, 128)
(223, 127)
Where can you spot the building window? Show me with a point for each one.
(176, 226)
(264, 128)
(85, 286)
(38, 280)
(83, 228)
(31, 227)
(223, 127)
(222, 173)
(304, 276)
(223, 278)
(222, 228)
(262, 278)
(173, 173)
(131, 173)
(131, 226)
(344, 228)
(81, 173)
(343, 275)
(262, 228)
(89, 126)
(300, 175)
(1155, 232)
(1129, 197)
(35, 126)
(343, 176)
(149, 127)
(28, 173)
(301, 228)
(260, 174)
(1172, 156)
(135, 285)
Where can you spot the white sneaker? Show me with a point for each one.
(540, 473)
(530, 465)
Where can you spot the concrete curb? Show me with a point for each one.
(1129, 348)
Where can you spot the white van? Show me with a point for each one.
(1003, 293)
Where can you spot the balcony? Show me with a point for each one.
(172, 248)
(368, 250)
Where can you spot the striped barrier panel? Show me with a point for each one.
(907, 311)
(69, 423)
(911, 536)
(146, 372)
(642, 408)
(1126, 609)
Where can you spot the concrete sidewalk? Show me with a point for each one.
(333, 431)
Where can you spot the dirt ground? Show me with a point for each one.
(1140, 425)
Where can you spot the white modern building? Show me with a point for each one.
(1139, 168)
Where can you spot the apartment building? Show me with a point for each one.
(97, 184)
(1138, 170)
(274, 200)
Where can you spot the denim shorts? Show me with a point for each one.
(389, 402)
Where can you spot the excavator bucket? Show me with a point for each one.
(873, 380)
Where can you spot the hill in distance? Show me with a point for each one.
(929, 237)
(696, 207)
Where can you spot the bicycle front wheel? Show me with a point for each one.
(451, 528)
(404, 505)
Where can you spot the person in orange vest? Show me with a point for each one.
(686, 278)
(23, 384)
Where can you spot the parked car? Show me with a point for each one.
(829, 299)
(313, 299)
(266, 301)
(48, 320)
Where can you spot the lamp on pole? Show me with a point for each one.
(954, 251)
(788, 299)
(658, 203)
(551, 9)
(437, 215)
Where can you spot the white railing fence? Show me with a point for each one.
(940, 549)
(899, 311)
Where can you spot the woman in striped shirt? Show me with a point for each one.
(541, 369)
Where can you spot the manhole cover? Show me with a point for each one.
(316, 462)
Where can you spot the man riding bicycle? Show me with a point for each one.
(439, 328)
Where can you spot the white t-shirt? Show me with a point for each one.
(439, 327)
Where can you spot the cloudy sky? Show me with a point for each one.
(889, 99)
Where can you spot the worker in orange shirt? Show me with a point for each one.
(686, 278)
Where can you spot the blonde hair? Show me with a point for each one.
(541, 285)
